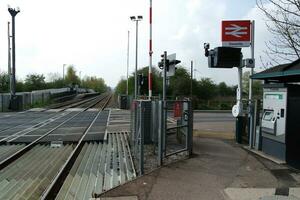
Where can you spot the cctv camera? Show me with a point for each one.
(206, 45)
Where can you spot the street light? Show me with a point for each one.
(196, 70)
(136, 19)
(64, 72)
(13, 12)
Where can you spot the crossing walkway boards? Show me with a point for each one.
(30, 175)
(99, 167)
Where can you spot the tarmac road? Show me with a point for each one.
(213, 117)
(214, 124)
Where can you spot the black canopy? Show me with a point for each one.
(281, 73)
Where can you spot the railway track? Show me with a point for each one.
(66, 118)
(34, 119)
(57, 182)
(72, 103)
(15, 122)
(35, 170)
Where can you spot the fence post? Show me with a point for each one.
(160, 133)
(1, 102)
(190, 129)
(142, 125)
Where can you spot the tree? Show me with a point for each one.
(55, 81)
(224, 90)
(94, 83)
(156, 83)
(283, 21)
(256, 86)
(71, 78)
(34, 82)
(180, 83)
(4, 82)
(207, 89)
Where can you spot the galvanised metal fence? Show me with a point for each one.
(160, 130)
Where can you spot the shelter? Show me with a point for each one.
(280, 124)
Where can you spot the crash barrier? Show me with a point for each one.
(159, 130)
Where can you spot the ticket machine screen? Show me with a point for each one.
(268, 115)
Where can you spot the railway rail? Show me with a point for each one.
(69, 116)
(39, 162)
(72, 103)
(20, 122)
(57, 182)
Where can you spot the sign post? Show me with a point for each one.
(251, 105)
(240, 33)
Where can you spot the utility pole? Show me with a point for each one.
(136, 19)
(80, 77)
(164, 76)
(13, 12)
(9, 59)
(127, 63)
(191, 80)
(64, 72)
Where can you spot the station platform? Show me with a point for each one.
(219, 169)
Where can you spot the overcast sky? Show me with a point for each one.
(92, 34)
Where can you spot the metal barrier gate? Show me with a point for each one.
(159, 130)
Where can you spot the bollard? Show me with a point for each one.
(238, 129)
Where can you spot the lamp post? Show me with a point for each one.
(136, 19)
(196, 70)
(13, 12)
(80, 78)
(127, 62)
(9, 59)
(64, 72)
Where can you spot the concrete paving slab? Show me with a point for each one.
(278, 197)
(117, 198)
(75, 109)
(37, 109)
(93, 109)
(248, 193)
(295, 192)
(54, 110)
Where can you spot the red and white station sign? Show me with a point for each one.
(236, 33)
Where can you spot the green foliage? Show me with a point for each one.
(55, 81)
(121, 87)
(34, 82)
(256, 87)
(206, 93)
(40, 104)
(180, 83)
(95, 83)
(156, 83)
(71, 78)
(224, 90)
(207, 89)
(37, 82)
(4, 82)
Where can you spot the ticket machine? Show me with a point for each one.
(274, 121)
(281, 121)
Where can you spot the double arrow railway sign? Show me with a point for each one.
(236, 33)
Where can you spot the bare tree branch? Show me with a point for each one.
(283, 22)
